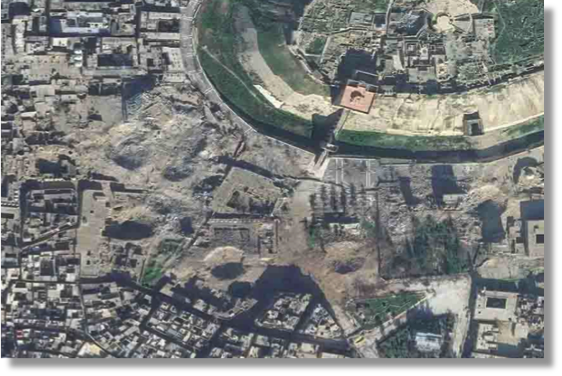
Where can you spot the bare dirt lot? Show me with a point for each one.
(451, 7)
(499, 106)
(246, 192)
(172, 146)
(405, 191)
(334, 262)
(276, 157)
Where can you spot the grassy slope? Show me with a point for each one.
(276, 54)
(249, 103)
(218, 35)
(525, 129)
(420, 143)
(385, 140)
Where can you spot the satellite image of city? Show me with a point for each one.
(273, 179)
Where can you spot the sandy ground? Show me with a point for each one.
(223, 255)
(444, 24)
(445, 295)
(302, 105)
(451, 7)
(254, 62)
(266, 93)
(500, 106)
(306, 105)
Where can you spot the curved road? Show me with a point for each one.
(196, 74)
(188, 44)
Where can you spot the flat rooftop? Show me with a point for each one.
(496, 306)
(535, 238)
(356, 98)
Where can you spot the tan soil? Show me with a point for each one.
(451, 7)
(253, 61)
(502, 105)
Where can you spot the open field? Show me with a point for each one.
(94, 212)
